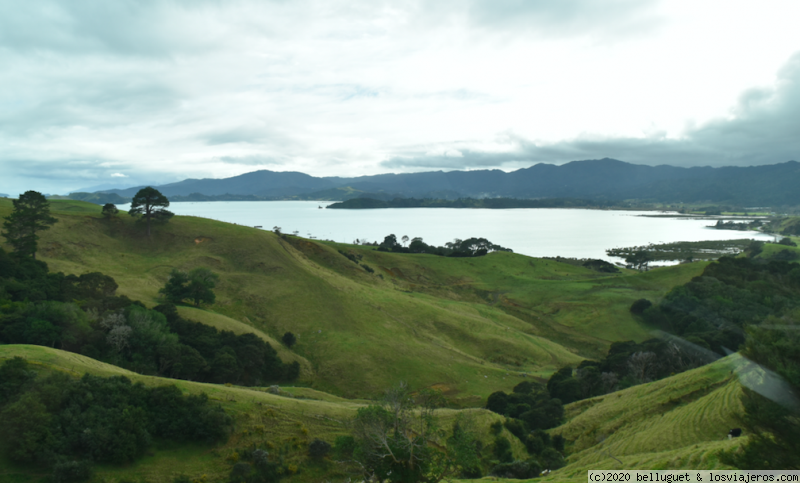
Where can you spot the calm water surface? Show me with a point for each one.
(541, 232)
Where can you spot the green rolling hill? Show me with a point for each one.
(467, 326)
(470, 325)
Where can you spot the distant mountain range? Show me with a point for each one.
(602, 179)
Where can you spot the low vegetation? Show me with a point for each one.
(67, 424)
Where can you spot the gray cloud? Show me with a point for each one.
(65, 175)
(191, 88)
(612, 18)
(253, 160)
(126, 27)
(762, 129)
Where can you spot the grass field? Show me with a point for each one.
(471, 326)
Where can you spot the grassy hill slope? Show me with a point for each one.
(470, 326)
(283, 423)
(680, 422)
(677, 423)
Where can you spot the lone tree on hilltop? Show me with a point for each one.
(31, 214)
(110, 210)
(150, 203)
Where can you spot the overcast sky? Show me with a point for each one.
(127, 92)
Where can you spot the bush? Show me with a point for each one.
(319, 449)
(343, 447)
(502, 450)
(72, 471)
(640, 306)
(519, 470)
(289, 339)
(551, 459)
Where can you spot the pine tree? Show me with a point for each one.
(31, 214)
(150, 203)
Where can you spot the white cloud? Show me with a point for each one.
(163, 90)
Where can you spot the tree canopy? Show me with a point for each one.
(196, 286)
(110, 210)
(150, 204)
(31, 214)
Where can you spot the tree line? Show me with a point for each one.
(68, 424)
(471, 247)
(38, 307)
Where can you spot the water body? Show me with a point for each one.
(541, 232)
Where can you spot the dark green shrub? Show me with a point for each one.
(72, 471)
(289, 339)
(319, 449)
(640, 306)
(516, 427)
(343, 447)
(518, 470)
(502, 450)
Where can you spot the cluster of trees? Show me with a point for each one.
(222, 356)
(83, 314)
(529, 409)
(737, 225)
(197, 286)
(712, 310)
(626, 364)
(471, 247)
(66, 424)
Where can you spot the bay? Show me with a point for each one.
(540, 232)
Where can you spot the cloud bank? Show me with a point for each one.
(93, 93)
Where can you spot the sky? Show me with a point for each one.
(97, 93)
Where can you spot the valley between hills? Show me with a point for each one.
(465, 326)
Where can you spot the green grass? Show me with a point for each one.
(469, 326)
(772, 249)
